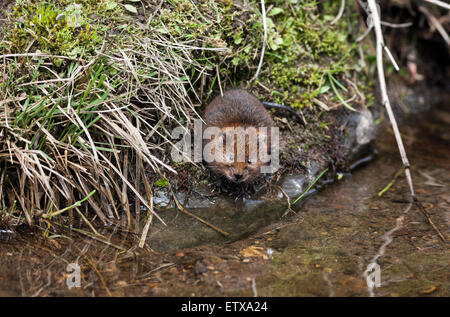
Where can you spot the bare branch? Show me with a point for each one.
(263, 9)
(341, 11)
(359, 39)
(384, 95)
(439, 3)
(388, 52)
(396, 25)
(435, 22)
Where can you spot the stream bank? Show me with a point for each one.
(322, 250)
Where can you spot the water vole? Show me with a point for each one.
(237, 109)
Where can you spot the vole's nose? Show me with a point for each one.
(237, 176)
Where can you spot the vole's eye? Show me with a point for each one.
(251, 161)
(230, 158)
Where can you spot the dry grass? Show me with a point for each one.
(93, 130)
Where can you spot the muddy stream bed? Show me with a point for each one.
(322, 249)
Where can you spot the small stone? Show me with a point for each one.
(121, 284)
(173, 270)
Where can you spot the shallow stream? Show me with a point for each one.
(321, 248)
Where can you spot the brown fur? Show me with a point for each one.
(236, 108)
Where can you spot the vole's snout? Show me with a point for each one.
(237, 177)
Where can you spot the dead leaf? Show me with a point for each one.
(428, 290)
(254, 251)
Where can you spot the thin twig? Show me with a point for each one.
(360, 38)
(388, 52)
(384, 95)
(396, 25)
(289, 209)
(218, 79)
(98, 238)
(76, 204)
(149, 192)
(425, 213)
(386, 188)
(263, 9)
(40, 55)
(439, 3)
(182, 209)
(321, 104)
(341, 10)
(435, 22)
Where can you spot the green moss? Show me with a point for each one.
(56, 27)
(311, 48)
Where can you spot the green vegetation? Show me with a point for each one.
(56, 31)
(310, 186)
(91, 89)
